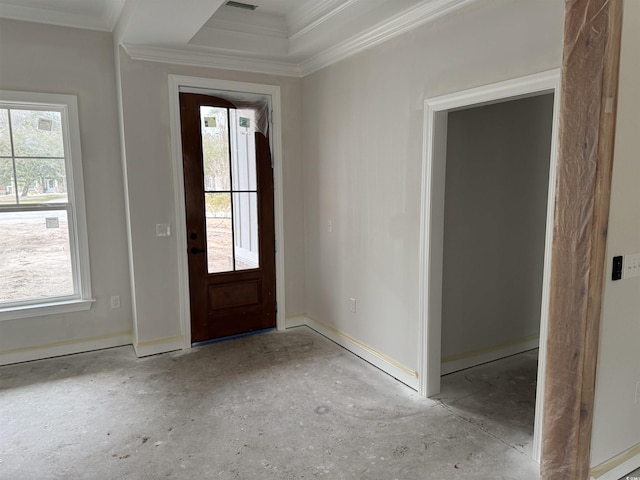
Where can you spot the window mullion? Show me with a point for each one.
(13, 159)
(34, 207)
(233, 219)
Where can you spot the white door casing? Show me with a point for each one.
(176, 83)
(432, 221)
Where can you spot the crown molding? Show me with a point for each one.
(318, 18)
(309, 12)
(211, 60)
(396, 25)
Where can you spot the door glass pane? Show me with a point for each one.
(35, 255)
(5, 138)
(245, 214)
(215, 148)
(41, 180)
(7, 187)
(243, 149)
(219, 237)
(37, 133)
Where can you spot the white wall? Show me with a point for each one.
(363, 132)
(43, 58)
(616, 426)
(145, 94)
(497, 180)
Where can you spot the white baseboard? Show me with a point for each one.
(160, 345)
(618, 466)
(478, 357)
(64, 348)
(296, 321)
(386, 364)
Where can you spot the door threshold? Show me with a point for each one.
(231, 337)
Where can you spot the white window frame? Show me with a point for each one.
(81, 300)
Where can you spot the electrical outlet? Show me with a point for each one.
(352, 305)
(330, 226)
(115, 301)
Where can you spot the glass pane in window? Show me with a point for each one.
(41, 180)
(245, 214)
(37, 133)
(5, 138)
(243, 149)
(215, 149)
(219, 238)
(34, 255)
(7, 187)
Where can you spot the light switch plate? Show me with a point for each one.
(163, 230)
(631, 266)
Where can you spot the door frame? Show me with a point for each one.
(436, 111)
(275, 140)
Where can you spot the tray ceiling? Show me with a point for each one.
(291, 37)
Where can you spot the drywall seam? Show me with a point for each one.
(159, 345)
(58, 349)
(387, 364)
(489, 354)
(609, 470)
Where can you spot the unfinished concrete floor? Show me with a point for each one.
(289, 405)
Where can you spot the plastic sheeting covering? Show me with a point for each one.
(260, 104)
(587, 120)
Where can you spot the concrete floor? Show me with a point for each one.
(287, 405)
(499, 397)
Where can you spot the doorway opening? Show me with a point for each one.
(243, 256)
(473, 203)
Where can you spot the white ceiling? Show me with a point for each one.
(291, 37)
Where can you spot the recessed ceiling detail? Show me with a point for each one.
(285, 37)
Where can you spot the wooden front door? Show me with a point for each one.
(228, 184)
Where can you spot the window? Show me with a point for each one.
(44, 260)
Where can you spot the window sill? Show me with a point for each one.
(43, 309)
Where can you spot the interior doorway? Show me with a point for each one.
(437, 112)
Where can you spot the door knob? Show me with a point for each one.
(195, 250)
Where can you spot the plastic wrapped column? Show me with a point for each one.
(587, 124)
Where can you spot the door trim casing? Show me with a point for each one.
(275, 139)
(432, 222)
